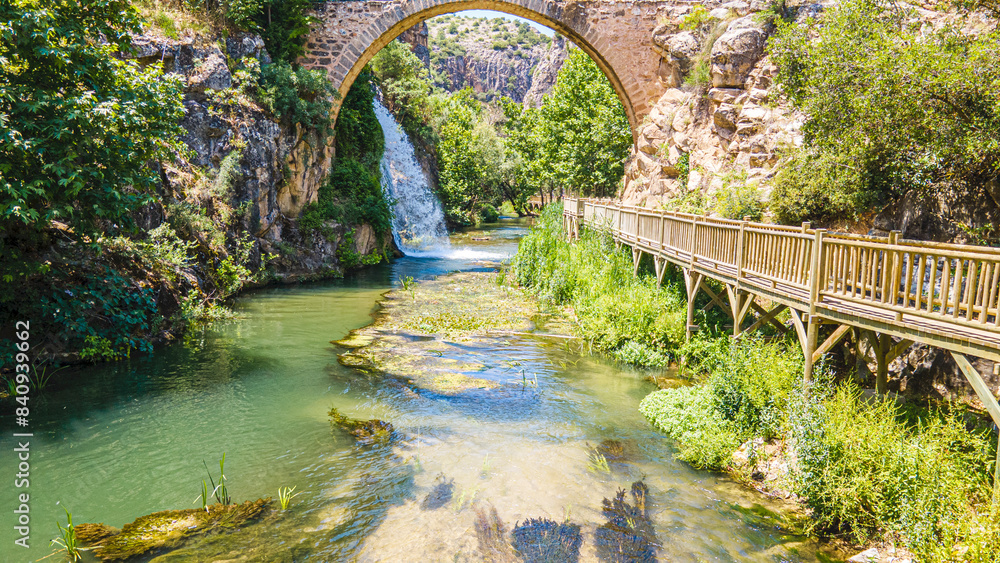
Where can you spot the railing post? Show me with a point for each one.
(694, 241)
(740, 253)
(815, 275)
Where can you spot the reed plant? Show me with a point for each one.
(67, 540)
(219, 491)
(285, 496)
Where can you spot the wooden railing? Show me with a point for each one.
(948, 290)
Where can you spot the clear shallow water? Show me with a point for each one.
(129, 439)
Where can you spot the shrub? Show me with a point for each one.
(688, 415)
(813, 186)
(299, 95)
(864, 469)
(351, 195)
(489, 214)
(613, 306)
(738, 199)
(892, 106)
(751, 384)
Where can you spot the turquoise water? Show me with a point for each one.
(131, 438)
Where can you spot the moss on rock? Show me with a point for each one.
(365, 431)
(166, 530)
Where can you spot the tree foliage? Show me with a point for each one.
(405, 87)
(579, 138)
(478, 168)
(892, 105)
(78, 125)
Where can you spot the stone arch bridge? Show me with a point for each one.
(616, 35)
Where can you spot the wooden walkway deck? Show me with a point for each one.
(892, 292)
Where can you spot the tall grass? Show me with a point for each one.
(869, 469)
(618, 312)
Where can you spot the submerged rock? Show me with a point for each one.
(365, 431)
(628, 535)
(540, 540)
(166, 530)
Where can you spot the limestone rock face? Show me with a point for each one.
(695, 136)
(736, 52)
(416, 36)
(544, 76)
(470, 55)
(272, 169)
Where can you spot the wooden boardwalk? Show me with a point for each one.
(892, 292)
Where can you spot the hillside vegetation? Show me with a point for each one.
(495, 57)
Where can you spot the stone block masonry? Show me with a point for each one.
(617, 35)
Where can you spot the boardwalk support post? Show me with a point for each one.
(815, 277)
(692, 283)
(989, 401)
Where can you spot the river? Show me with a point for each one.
(117, 441)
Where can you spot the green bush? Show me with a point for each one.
(738, 199)
(614, 307)
(688, 415)
(351, 195)
(489, 214)
(299, 95)
(359, 134)
(752, 384)
(865, 469)
(893, 106)
(812, 186)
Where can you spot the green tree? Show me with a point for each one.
(892, 106)
(78, 125)
(284, 26)
(405, 86)
(579, 138)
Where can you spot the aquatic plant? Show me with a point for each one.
(598, 463)
(408, 284)
(40, 375)
(220, 492)
(613, 450)
(204, 496)
(628, 535)
(540, 540)
(68, 540)
(493, 544)
(166, 530)
(465, 497)
(485, 471)
(285, 496)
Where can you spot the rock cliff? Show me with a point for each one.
(491, 56)
(248, 172)
(720, 123)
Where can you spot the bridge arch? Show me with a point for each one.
(616, 35)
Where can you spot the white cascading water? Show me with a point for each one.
(418, 221)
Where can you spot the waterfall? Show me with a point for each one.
(418, 221)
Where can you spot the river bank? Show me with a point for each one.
(869, 471)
